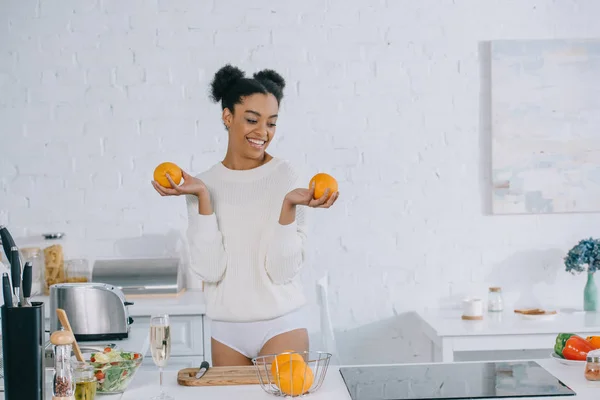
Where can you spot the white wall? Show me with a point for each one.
(385, 95)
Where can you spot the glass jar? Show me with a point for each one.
(78, 271)
(54, 260)
(495, 301)
(592, 366)
(63, 385)
(35, 256)
(85, 381)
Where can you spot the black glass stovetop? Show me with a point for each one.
(478, 380)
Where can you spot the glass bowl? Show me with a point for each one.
(114, 376)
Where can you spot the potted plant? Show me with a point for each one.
(585, 256)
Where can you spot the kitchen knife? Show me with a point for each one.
(27, 282)
(202, 370)
(6, 292)
(15, 274)
(7, 241)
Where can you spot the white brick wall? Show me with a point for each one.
(384, 94)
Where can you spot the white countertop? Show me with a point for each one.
(190, 302)
(145, 385)
(449, 323)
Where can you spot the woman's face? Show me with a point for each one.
(252, 125)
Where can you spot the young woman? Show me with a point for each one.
(247, 226)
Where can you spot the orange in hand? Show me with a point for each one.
(295, 378)
(323, 181)
(160, 174)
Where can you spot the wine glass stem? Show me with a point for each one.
(161, 380)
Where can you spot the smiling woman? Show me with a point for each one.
(247, 226)
(250, 108)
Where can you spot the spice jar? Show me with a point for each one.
(592, 366)
(85, 381)
(495, 302)
(63, 386)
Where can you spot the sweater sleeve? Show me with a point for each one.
(286, 253)
(207, 253)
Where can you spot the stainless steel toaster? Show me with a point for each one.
(96, 311)
(141, 276)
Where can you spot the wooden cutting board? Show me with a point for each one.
(221, 376)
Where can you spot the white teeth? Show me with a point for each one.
(255, 141)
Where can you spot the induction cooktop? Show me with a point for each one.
(470, 380)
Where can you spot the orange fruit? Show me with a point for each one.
(295, 378)
(284, 358)
(323, 181)
(160, 174)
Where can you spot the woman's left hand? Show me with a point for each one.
(305, 197)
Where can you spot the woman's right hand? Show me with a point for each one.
(190, 185)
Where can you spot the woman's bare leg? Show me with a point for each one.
(225, 356)
(296, 340)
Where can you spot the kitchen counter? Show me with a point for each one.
(190, 302)
(501, 331)
(145, 385)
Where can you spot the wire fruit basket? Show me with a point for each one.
(292, 374)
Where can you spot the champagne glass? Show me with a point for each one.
(160, 347)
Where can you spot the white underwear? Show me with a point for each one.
(248, 338)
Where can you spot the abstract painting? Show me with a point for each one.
(545, 111)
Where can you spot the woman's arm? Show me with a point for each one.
(285, 254)
(207, 253)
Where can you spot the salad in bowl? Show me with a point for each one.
(114, 368)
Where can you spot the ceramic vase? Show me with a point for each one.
(590, 294)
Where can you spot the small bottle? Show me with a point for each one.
(495, 302)
(592, 366)
(63, 387)
(85, 381)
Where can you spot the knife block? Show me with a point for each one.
(23, 352)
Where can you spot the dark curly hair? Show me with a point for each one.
(229, 85)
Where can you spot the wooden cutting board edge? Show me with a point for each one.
(220, 376)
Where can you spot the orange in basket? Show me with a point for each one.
(294, 378)
(284, 358)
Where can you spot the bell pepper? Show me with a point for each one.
(561, 339)
(576, 348)
(594, 341)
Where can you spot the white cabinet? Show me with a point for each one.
(189, 347)
(187, 334)
(175, 363)
(190, 333)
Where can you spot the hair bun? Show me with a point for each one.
(271, 75)
(224, 79)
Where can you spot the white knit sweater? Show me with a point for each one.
(248, 261)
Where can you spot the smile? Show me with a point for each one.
(256, 143)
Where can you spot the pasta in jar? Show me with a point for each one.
(54, 267)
